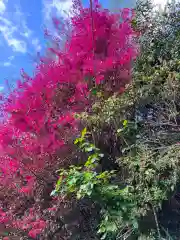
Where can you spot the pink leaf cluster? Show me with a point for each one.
(3, 217)
(40, 112)
(30, 223)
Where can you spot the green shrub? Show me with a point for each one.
(138, 134)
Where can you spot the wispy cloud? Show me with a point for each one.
(9, 30)
(8, 63)
(60, 8)
(14, 28)
(1, 88)
(21, 20)
(56, 8)
(2, 7)
(36, 44)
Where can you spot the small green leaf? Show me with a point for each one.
(53, 193)
(58, 185)
(89, 192)
(103, 236)
(102, 175)
(85, 144)
(89, 149)
(135, 224)
(125, 122)
(106, 218)
(102, 229)
(83, 133)
(94, 91)
(79, 196)
(87, 164)
(119, 130)
(76, 141)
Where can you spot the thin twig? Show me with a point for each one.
(92, 24)
(156, 221)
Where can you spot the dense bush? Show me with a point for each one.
(39, 123)
(138, 133)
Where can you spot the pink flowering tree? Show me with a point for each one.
(36, 134)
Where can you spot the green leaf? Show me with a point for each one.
(88, 163)
(85, 144)
(103, 236)
(58, 185)
(106, 218)
(54, 193)
(72, 181)
(111, 227)
(89, 149)
(89, 192)
(88, 175)
(103, 175)
(134, 23)
(83, 133)
(79, 195)
(102, 229)
(125, 122)
(119, 130)
(94, 91)
(135, 224)
(91, 159)
(76, 141)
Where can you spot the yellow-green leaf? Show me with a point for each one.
(83, 133)
(125, 122)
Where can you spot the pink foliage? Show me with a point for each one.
(3, 217)
(31, 223)
(41, 109)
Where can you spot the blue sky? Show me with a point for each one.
(21, 31)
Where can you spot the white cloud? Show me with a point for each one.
(8, 63)
(18, 45)
(58, 7)
(11, 58)
(2, 7)
(36, 44)
(64, 7)
(1, 88)
(14, 29)
(8, 31)
(20, 19)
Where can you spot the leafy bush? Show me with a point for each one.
(115, 202)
